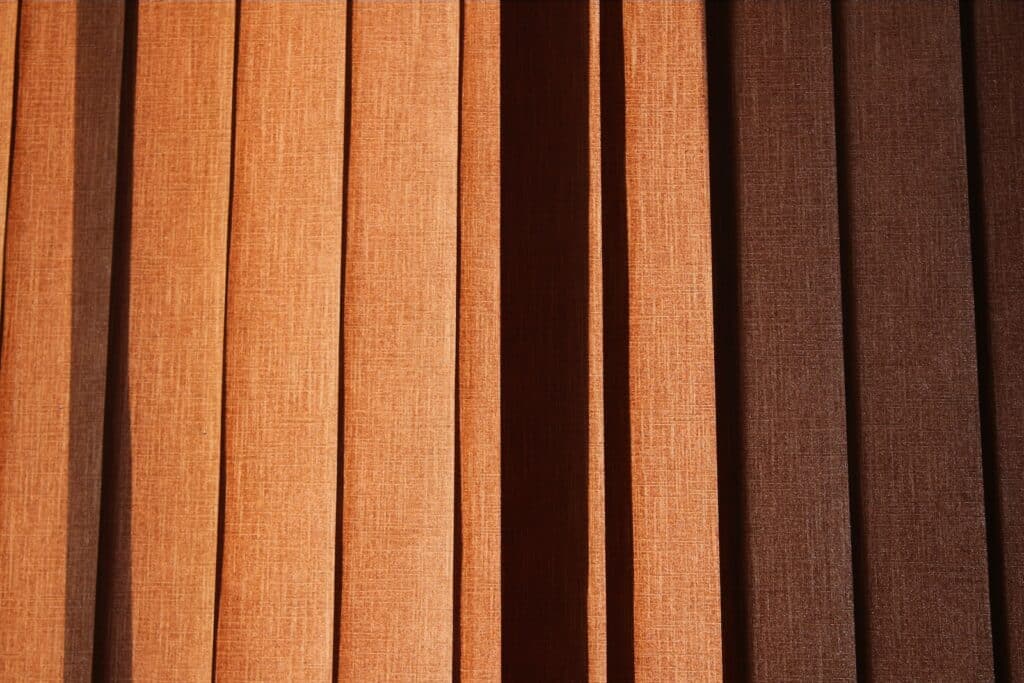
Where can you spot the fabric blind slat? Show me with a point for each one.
(399, 365)
(996, 54)
(677, 624)
(919, 518)
(8, 39)
(60, 219)
(787, 580)
(160, 560)
(276, 610)
(479, 364)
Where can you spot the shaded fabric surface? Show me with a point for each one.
(397, 340)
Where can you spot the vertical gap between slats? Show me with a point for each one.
(116, 471)
(850, 369)
(340, 500)
(457, 469)
(10, 169)
(986, 395)
(222, 477)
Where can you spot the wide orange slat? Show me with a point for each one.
(399, 332)
(8, 31)
(276, 610)
(160, 561)
(479, 355)
(677, 621)
(53, 367)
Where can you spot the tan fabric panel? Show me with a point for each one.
(53, 367)
(8, 31)
(675, 519)
(276, 607)
(167, 420)
(597, 617)
(399, 381)
(479, 352)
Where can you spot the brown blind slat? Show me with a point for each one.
(786, 567)
(919, 524)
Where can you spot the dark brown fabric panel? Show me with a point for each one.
(994, 64)
(919, 524)
(783, 488)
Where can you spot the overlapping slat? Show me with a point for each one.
(479, 355)
(60, 218)
(276, 610)
(399, 342)
(677, 625)
(995, 55)
(918, 511)
(160, 535)
(786, 565)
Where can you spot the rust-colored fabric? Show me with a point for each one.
(399, 374)
(281, 347)
(478, 437)
(787, 587)
(162, 465)
(60, 218)
(677, 626)
(472, 340)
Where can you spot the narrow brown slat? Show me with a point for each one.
(995, 57)
(167, 422)
(276, 606)
(479, 355)
(399, 366)
(53, 367)
(677, 622)
(919, 521)
(784, 493)
(8, 39)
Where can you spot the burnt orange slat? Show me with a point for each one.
(399, 366)
(167, 415)
(276, 612)
(677, 623)
(53, 367)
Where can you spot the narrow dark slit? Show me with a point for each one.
(340, 499)
(618, 480)
(544, 144)
(725, 267)
(986, 382)
(222, 480)
(457, 510)
(850, 367)
(10, 167)
(114, 547)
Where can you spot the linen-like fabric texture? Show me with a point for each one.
(432, 340)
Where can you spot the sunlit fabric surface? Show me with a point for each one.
(433, 340)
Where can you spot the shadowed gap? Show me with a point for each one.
(340, 500)
(10, 167)
(728, 313)
(112, 645)
(457, 506)
(222, 471)
(986, 382)
(544, 339)
(850, 369)
(618, 480)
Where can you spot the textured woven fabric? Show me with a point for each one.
(786, 571)
(431, 340)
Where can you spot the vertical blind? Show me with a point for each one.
(423, 340)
